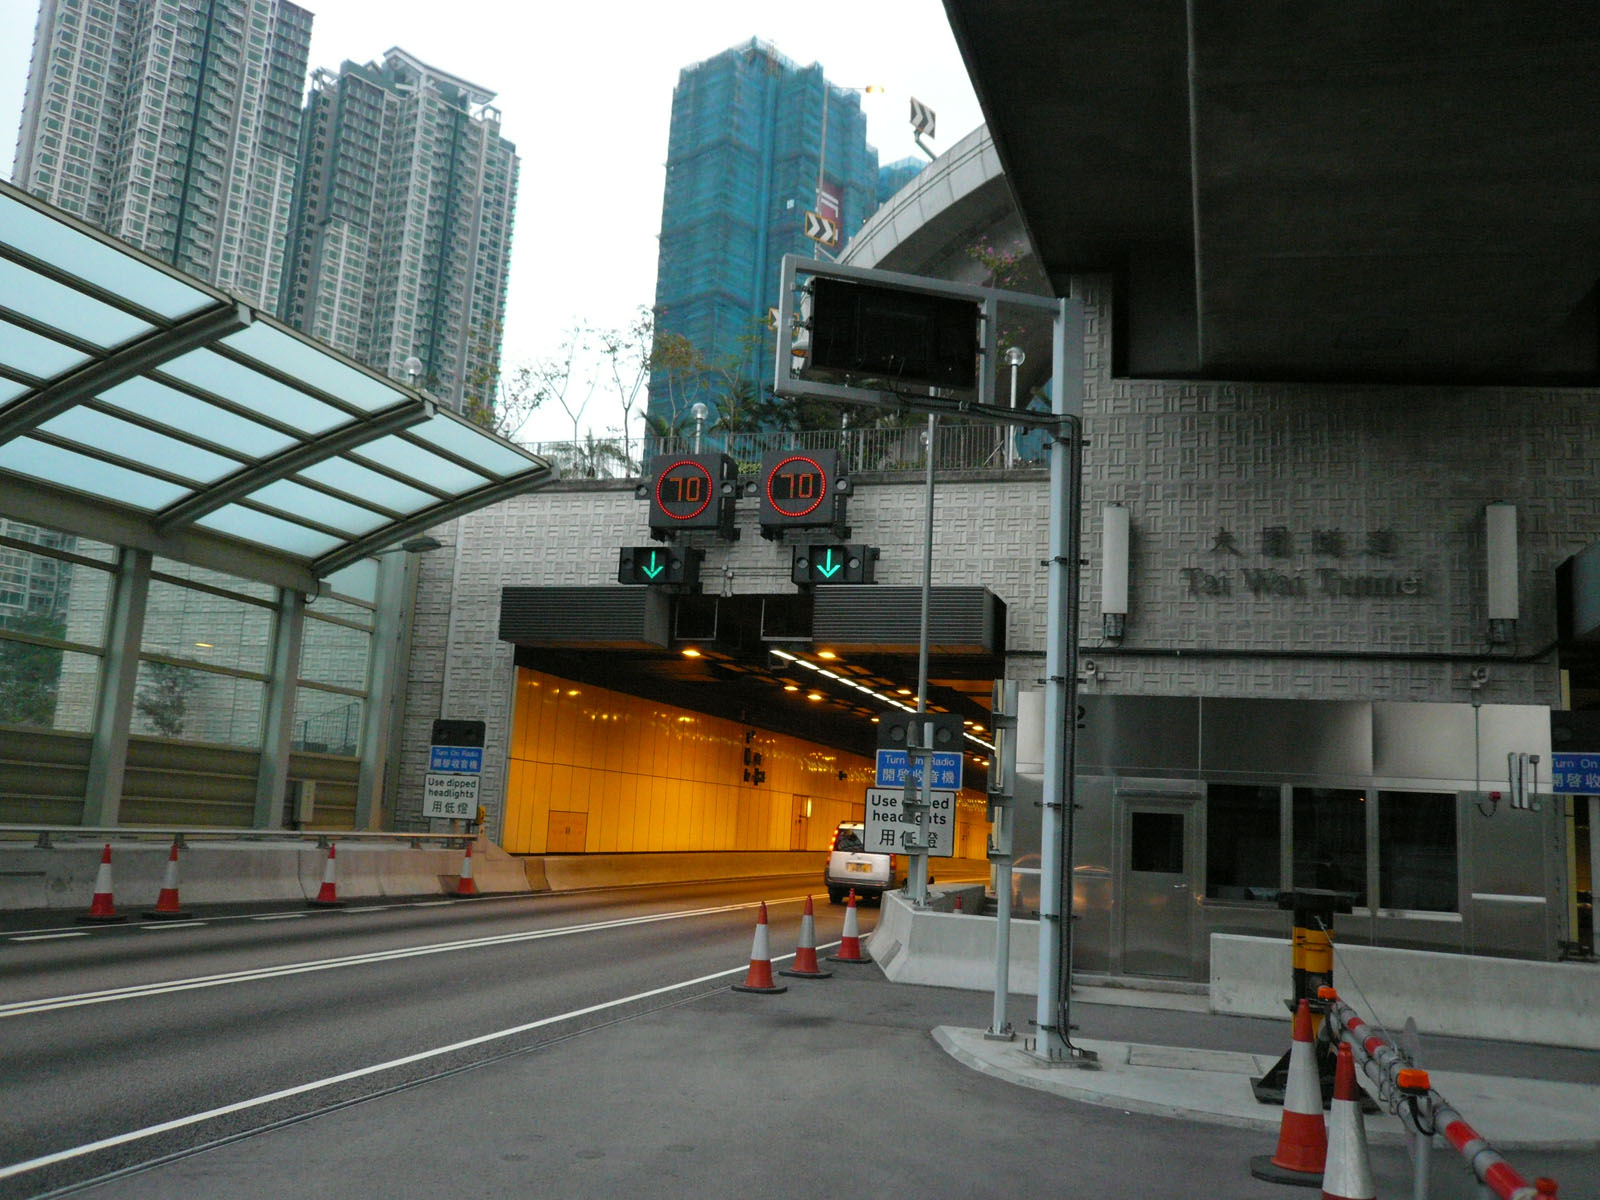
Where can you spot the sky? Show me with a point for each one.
(585, 93)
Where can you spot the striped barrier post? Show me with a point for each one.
(1425, 1112)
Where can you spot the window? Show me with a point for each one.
(1156, 842)
(1330, 840)
(1243, 838)
(1417, 851)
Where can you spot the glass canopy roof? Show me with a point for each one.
(137, 399)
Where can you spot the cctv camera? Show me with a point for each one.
(1479, 676)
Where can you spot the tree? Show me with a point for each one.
(496, 401)
(163, 698)
(560, 377)
(30, 674)
(625, 352)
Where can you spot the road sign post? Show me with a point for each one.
(455, 771)
(889, 821)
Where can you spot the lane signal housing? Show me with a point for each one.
(833, 563)
(660, 565)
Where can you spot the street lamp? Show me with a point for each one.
(1015, 357)
(699, 412)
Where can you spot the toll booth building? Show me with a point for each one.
(1323, 643)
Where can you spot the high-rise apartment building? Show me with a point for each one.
(749, 130)
(402, 231)
(174, 125)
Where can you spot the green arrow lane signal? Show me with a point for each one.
(828, 568)
(833, 564)
(654, 566)
(652, 570)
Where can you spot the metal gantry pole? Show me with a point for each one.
(1002, 797)
(1053, 1017)
(918, 876)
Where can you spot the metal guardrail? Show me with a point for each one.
(1424, 1112)
(975, 447)
(47, 835)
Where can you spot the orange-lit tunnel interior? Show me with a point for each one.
(594, 771)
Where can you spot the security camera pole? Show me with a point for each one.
(915, 840)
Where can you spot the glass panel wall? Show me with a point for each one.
(335, 649)
(1243, 840)
(53, 597)
(1417, 857)
(203, 658)
(1330, 840)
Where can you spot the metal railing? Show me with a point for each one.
(1425, 1113)
(46, 836)
(959, 448)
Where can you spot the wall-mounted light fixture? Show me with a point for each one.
(1500, 565)
(1114, 570)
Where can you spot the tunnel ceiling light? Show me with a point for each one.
(826, 654)
(791, 687)
(813, 695)
(690, 652)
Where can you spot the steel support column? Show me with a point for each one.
(272, 778)
(119, 676)
(391, 638)
(1053, 1016)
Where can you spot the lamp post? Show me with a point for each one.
(699, 412)
(1015, 357)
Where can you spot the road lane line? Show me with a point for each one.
(46, 937)
(134, 1135)
(282, 917)
(173, 925)
(163, 987)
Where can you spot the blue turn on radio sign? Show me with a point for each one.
(1575, 774)
(895, 767)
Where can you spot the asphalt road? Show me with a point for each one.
(574, 1046)
(125, 1028)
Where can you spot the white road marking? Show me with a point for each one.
(163, 987)
(134, 1135)
(281, 917)
(173, 925)
(47, 937)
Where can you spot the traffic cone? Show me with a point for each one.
(167, 907)
(1349, 1171)
(850, 941)
(465, 886)
(805, 954)
(1302, 1136)
(101, 909)
(327, 895)
(759, 977)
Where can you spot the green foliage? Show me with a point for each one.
(163, 698)
(30, 674)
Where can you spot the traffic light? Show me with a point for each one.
(832, 563)
(897, 731)
(659, 564)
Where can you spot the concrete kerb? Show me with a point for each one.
(1214, 1086)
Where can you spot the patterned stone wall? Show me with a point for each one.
(1291, 541)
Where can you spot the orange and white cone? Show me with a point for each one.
(167, 907)
(1302, 1135)
(850, 940)
(759, 977)
(1349, 1171)
(102, 911)
(805, 954)
(466, 886)
(328, 894)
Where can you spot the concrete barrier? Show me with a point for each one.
(1457, 995)
(949, 949)
(63, 876)
(571, 872)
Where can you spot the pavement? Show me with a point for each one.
(1203, 1082)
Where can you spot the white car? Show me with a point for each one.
(851, 865)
